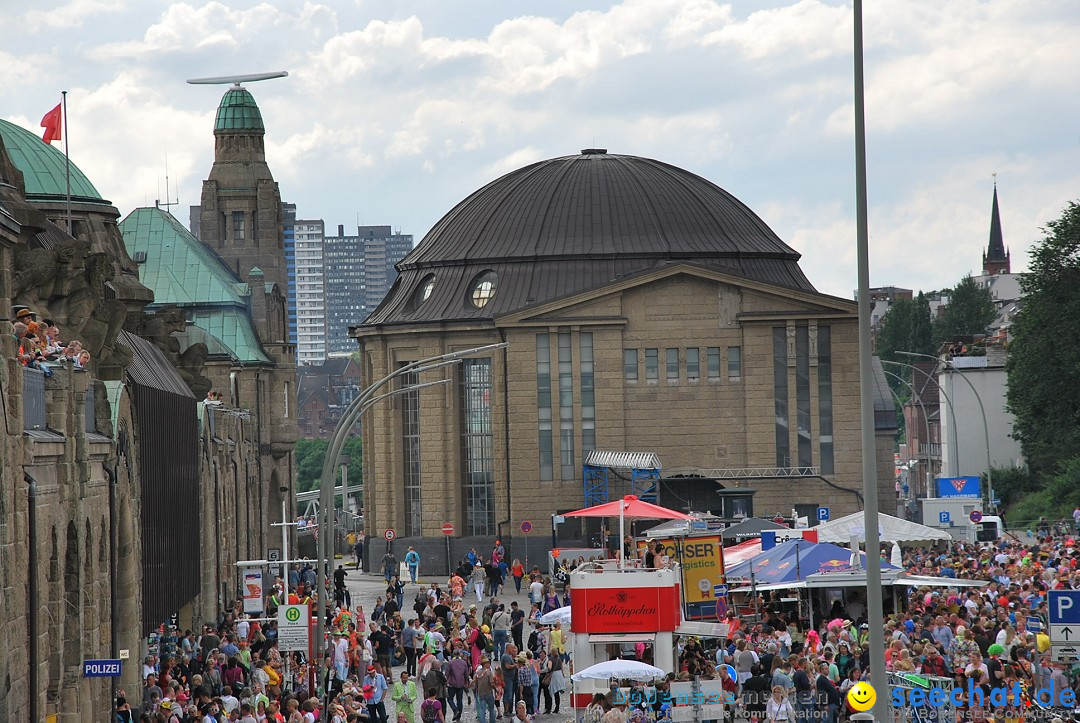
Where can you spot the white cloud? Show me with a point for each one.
(383, 101)
(70, 15)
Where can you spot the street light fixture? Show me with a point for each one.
(941, 393)
(337, 441)
(926, 421)
(982, 411)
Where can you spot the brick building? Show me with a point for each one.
(323, 391)
(646, 310)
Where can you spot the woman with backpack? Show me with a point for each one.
(431, 710)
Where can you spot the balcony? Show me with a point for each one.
(34, 411)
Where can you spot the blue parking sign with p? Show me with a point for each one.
(1064, 606)
(823, 514)
(944, 517)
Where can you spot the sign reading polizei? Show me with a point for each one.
(101, 668)
(622, 610)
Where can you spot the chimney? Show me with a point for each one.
(341, 229)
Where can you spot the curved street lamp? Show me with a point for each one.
(982, 411)
(941, 392)
(337, 441)
(926, 420)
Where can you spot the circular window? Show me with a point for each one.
(483, 289)
(423, 291)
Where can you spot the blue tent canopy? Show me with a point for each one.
(793, 560)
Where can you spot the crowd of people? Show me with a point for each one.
(453, 645)
(40, 346)
(968, 637)
(452, 653)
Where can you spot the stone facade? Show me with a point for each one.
(719, 420)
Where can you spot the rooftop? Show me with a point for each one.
(42, 167)
(238, 112)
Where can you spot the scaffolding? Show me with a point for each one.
(644, 469)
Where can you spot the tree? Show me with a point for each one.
(970, 312)
(310, 456)
(1044, 356)
(922, 335)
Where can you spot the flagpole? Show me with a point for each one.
(67, 162)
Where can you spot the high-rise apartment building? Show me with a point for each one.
(288, 212)
(310, 292)
(359, 271)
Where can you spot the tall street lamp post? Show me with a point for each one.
(942, 394)
(874, 606)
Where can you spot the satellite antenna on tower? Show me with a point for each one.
(238, 79)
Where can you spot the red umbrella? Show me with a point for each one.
(629, 506)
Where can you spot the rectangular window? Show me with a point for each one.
(780, 396)
(410, 453)
(630, 364)
(238, 226)
(734, 363)
(672, 363)
(566, 407)
(652, 365)
(693, 364)
(543, 404)
(802, 395)
(825, 404)
(588, 393)
(712, 356)
(478, 473)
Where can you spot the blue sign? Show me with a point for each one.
(721, 591)
(975, 516)
(1034, 625)
(944, 518)
(823, 514)
(1064, 607)
(101, 668)
(959, 487)
(699, 525)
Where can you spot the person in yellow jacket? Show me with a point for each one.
(558, 641)
(404, 696)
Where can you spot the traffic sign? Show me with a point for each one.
(823, 514)
(526, 527)
(1034, 624)
(294, 628)
(975, 516)
(719, 590)
(944, 517)
(1065, 633)
(1064, 652)
(389, 535)
(448, 528)
(1064, 608)
(101, 668)
(274, 554)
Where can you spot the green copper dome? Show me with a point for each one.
(238, 112)
(42, 167)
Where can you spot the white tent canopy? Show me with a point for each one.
(891, 529)
(558, 615)
(621, 669)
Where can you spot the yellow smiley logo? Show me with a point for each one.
(862, 696)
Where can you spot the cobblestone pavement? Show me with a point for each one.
(365, 587)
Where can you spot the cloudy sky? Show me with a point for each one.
(396, 109)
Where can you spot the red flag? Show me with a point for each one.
(51, 123)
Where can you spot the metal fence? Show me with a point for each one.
(34, 413)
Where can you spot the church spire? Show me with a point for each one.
(996, 260)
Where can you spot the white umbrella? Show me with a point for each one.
(558, 615)
(895, 557)
(622, 669)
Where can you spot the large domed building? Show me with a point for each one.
(645, 310)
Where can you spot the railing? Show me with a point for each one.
(91, 419)
(933, 450)
(34, 416)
